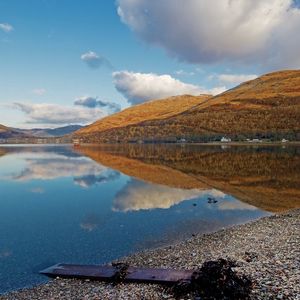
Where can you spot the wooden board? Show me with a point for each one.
(106, 273)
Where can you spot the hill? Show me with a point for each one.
(3, 128)
(6, 132)
(267, 107)
(152, 110)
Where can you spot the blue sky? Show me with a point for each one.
(56, 52)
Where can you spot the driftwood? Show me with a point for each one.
(214, 280)
(118, 272)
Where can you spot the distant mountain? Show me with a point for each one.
(6, 132)
(3, 128)
(268, 106)
(49, 132)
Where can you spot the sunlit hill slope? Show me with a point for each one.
(152, 110)
(6, 132)
(268, 106)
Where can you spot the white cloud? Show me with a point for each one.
(140, 87)
(94, 60)
(6, 27)
(235, 78)
(45, 113)
(39, 92)
(201, 31)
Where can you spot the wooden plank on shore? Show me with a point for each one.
(107, 273)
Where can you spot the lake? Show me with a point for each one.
(93, 204)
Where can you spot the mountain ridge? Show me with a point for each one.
(50, 132)
(268, 106)
(9, 132)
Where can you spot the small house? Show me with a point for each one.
(225, 139)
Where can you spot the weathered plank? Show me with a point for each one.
(107, 273)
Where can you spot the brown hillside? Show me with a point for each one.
(266, 106)
(152, 110)
(3, 128)
(2, 151)
(6, 133)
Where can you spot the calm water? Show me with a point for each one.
(95, 204)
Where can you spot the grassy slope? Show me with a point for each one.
(270, 103)
(3, 128)
(6, 132)
(152, 110)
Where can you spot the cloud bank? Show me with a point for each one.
(201, 31)
(93, 102)
(140, 87)
(95, 61)
(45, 113)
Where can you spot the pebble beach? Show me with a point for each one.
(266, 250)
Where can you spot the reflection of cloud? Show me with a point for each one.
(37, 190)
(91, 222)
(139, 195)
(216, 193)
(48, 166)
(236, 205)
(92, 179)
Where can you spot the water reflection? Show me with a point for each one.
(92, 179)
(265, 177)
(139, 195)
(95, 204)
(92, 221)
(44, 165)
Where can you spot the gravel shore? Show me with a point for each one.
(266, 250)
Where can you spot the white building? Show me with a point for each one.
(225, 139)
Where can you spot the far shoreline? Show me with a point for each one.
(277, 143)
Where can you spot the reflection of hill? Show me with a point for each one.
(154, 173)
(2, 151)
(266, 178)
